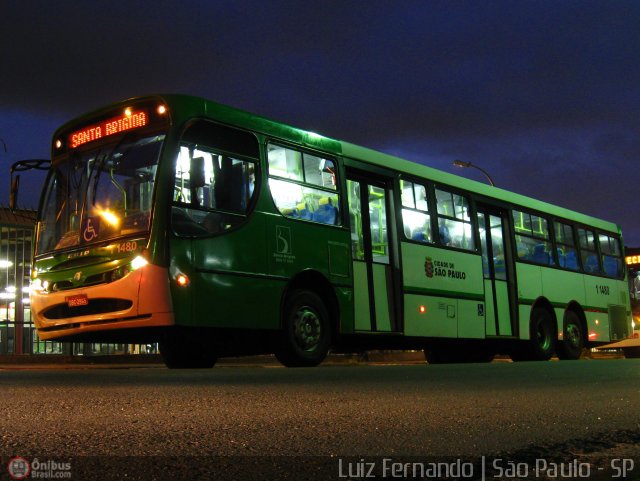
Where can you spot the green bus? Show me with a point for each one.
(216, 232)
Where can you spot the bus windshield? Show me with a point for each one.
(100, 194)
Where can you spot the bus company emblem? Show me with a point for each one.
(428, 267)
(284, 250)
(77, 276)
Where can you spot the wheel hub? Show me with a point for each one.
(307, 329)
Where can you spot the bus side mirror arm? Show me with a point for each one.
(19, 166)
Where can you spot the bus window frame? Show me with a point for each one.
(340, 181)
(430, 197)
(257, 185)
(617, 238)
(576, 238)
(473, 214)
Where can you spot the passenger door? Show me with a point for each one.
(374, 287)
(499, 276)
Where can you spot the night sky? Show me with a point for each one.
(544, 95)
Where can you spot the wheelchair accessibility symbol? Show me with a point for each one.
(90, 228)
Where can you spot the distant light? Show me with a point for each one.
(5, 264)
(11, 289)
(162, 109)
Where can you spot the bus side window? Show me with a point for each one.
(611, 255)
(303, 186)
(416, 218)
(589, 251)
(454, 222)
(212, 188)
(533, 238)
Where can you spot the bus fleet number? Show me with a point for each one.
(127, 246)
(604, 290)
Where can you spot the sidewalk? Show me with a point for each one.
(131, 361)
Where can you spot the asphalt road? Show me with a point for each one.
(277, 423)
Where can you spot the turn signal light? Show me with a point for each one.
(182, 280)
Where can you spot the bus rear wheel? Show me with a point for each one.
(306, 333)
(542, 341)
(187, 348)
(572, 344)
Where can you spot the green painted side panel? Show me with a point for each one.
(490, 313)
(598, 326)
(232, 279)
(361, 297)
(345, 302)
(529, 281)
(382, 291)
(562, 286)
(339, 259)
(619, 324)
(471, 319)
(524, 315)
(504, 317)
(438, 320)
(294, 246)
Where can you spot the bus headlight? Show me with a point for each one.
(138, 262)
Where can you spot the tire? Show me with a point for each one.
(542, 338)
(572, 344)
(184, 348)
(306, 332)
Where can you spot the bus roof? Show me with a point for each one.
(189, 106)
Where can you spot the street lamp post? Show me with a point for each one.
(463, 164)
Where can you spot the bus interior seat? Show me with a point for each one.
(540, 255)
(303, 211)
(591, 264)
(571, 261)
(562, 259)
(420, 235)
(610, 265)
(445, 238)
(523, 251)
(326, 213)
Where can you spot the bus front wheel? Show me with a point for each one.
(306, 333)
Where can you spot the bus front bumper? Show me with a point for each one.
(139, 300)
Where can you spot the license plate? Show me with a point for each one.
(77, 300)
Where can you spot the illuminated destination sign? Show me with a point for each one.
(129, 120)
(631, 260)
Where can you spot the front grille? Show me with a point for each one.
(95, 306)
